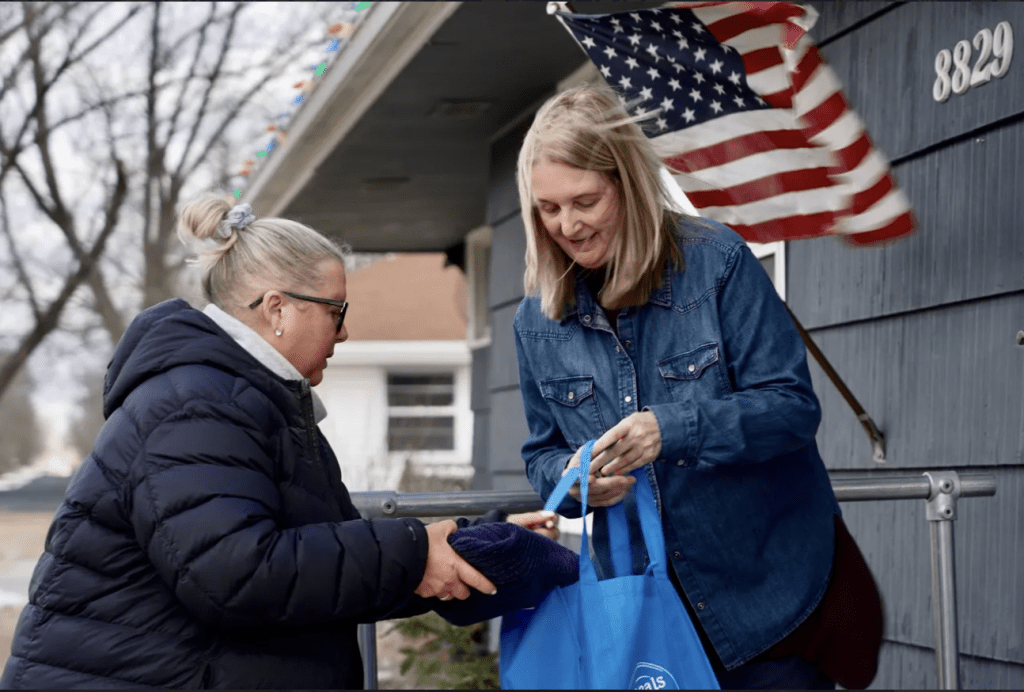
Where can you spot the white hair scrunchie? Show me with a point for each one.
(239, 217)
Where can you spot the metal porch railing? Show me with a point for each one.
(939, 489)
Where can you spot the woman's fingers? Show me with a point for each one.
(539, 521)
(446, 573)
(639, 443)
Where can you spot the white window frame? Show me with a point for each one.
(478, 322)
(423, 411)
(778, 248)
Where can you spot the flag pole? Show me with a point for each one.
(874, 434)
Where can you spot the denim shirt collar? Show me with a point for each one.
(587, 305)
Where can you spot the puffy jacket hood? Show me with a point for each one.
(172, 334)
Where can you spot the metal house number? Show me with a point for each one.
(997, 45)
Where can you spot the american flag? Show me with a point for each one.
(739, 103)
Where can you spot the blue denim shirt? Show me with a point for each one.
(745, 499)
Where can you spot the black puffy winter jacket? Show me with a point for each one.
(208, 541)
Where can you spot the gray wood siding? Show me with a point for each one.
(922, 330)
(902, 667)
(943, 385)
(968, 245)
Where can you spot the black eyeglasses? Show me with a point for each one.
(342, 306)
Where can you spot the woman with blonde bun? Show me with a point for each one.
(208, 540)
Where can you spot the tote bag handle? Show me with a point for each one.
(650, 522)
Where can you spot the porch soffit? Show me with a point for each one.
(368, 163)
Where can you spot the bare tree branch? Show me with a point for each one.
(51, 316)
(19, 266)
(232, 19)
(79, 57)
(200, 44)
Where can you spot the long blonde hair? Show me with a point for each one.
(587, 128)
(239, 265)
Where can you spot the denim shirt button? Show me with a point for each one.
(572, 395)
(680, 462)
(676, 555)
(586, 318)
(700, 606)
(628, 344)
(692, 367)
(628, 398)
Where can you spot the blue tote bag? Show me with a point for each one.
(626, 632)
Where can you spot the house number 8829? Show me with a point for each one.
(997, 45)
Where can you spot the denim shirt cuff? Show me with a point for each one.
(678, 427)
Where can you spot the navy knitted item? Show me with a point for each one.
(521, 563)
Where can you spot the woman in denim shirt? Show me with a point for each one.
(662, 336)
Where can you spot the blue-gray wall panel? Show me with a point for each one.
(887, 68)
(508, 252)
(479, 394)
(503, 194)
(968, 245)
(504, 368)
(944, 386)
(508, 432)
(836, 17)
(989, 541)
(481, 450)
(902, 667)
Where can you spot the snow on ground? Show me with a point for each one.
(61, 463)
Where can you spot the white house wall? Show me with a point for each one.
(354, 391)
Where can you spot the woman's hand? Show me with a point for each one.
(544, 523)
(601, 492)
(633, 442)
(447, 575)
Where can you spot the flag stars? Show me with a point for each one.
(653, 74)
(683, 43)
(695, 95)
(677, 19)
(735, 78)
(589, 42)
(679, 68)
(667, 105)
(698, 55)
(657, 27)
(617, 24)
(716, 66)
(674, 83)
(738, 101)
(634, 40)
(698, 28)
(654, 52)
(646, 93)
(662, 125)
(606, 72)
(689, 115)
(716, 106)
(698, 76)
(632, 62)
(635, 16)
(720, 89)
(626, 83)
(610, 52)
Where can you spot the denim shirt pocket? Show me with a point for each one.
(573, 402)
(695, 375)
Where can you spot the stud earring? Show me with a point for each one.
(278, 332)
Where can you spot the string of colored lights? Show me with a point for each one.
(340, 31)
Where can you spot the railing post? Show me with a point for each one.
(941, 512)
(368, 647)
